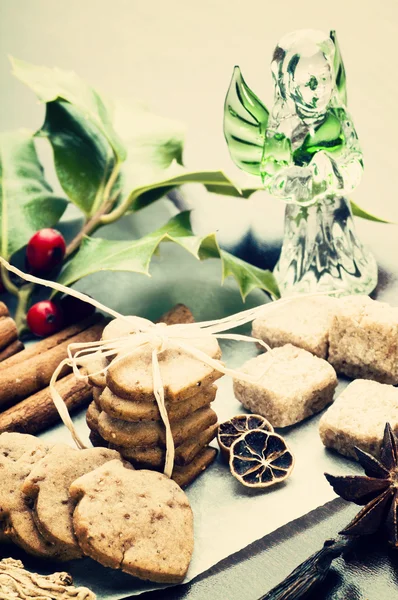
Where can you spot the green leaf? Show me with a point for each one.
(152, 141)
(154, 185)
(248, 276)
(83, 157)
(97, 254)
(357, 211)
(52, 84)
(27, 202)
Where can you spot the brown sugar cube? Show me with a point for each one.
(358, 417)
(303, 322)
(364, 339)
(292, 384)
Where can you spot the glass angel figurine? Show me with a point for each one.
(306, 152)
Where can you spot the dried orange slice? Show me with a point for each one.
(230, 431)
(260, 458)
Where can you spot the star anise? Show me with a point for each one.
(378, 490)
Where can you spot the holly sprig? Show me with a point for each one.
(106, 175)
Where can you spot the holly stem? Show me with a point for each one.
(95, 221)
(8, 284)
(111, 217)
(24, 295)
(89, 227)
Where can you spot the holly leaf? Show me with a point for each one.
(152, 141)
(52, 84)
(27, 203)
(83, 158)
(248, 276)
(151, 185)
(357, 211)
(96, 254)
(81, 127)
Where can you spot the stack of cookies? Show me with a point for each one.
(124, 414)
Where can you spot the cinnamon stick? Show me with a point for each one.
(11, 349)
(8, 331)
(176, 315)
(51, 341)
(20, 380)
(38, 412)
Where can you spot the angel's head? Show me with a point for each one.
(303, 69)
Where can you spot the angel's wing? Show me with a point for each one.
(339, 69)
(245, 123)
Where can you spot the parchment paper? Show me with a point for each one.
(228, 517)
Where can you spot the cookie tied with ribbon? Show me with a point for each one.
(145, 362)
(140, 365)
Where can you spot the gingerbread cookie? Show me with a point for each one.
(93, 367)
(187, 474)
(191, 458)
(152, 433)
(92, 415)
(154, 458)
(16, 516)
(47, 487)
(14, 445)
(130, 376)
(130, 410)
(137, 521)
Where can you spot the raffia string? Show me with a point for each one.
(158, 337)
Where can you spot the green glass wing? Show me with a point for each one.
(339, 70)
(245, 123)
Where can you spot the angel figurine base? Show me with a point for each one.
(321, 251)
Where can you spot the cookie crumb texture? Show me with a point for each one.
(137, 521)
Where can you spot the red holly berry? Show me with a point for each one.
(45, 250)
(45, 318)
(75, 310)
